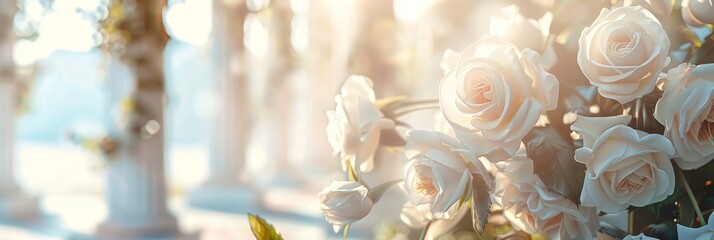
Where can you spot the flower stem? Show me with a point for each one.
(346, 231)
(691, 198)
(407, 103)
(423, 232)
(406, 111)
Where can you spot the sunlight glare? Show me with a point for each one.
(189, 21)
(257, 35)
(411, 10)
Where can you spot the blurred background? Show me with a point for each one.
(105, 104)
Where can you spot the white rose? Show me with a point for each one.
(521, 31)
(416, 216)
(494, 95)
(685, 110)
(698, 12)
(344, 202)
(439, 172)
(623, 52)
(701, 233)
(624, 166)
(529, 206)
(642, 236)
(355, 126)
(661, 8)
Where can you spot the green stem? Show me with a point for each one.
(423, 232)
(398, 114)
(346, 231)
(406, 103)
(692, 198)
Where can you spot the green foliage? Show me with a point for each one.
(262, 229)
(642, 112)
(351, 172)
(705, 54)
(553, 161)
(481, 204)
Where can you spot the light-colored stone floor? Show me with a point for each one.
(70, 185)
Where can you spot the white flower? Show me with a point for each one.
(417, 216)
(661, 8)
(623, 52)
(494, 95)
(624, 166)
(642, 236)
(439, 172)
(529, 205)
(698, 12)
(702, 233)
(519, 30)
(685, 110)
(344, 202)
(355, 125)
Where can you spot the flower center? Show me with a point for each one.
(632, 183)
(425, 185)
(706, 130)
(478, 89)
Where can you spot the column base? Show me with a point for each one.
(236, 198)
(164, 228)
(19, 207)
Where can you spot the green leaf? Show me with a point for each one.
(481, 204)
(262, 229)
(376, 193)
(553, 161)
(642, 112)
(705, 54)
(351, 172)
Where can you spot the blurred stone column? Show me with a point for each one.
(375, 46)
(136, 185)
(225, 189)
(279, 99)
(14, 204)
(322, 88)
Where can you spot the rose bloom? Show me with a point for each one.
(661, 8)
(701, 233)
(624, 166)
(355, 126)
(642, 236)
(439, 172)
(685, 110)
(417, 216)
(494, 95)
(344, 202)
(521, 31)
(529, 206)
(623, 52)
(698, 12)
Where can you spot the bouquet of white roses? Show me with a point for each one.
(574, 111)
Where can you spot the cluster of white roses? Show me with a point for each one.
(493, 95)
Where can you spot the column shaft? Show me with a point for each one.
(136, 185)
